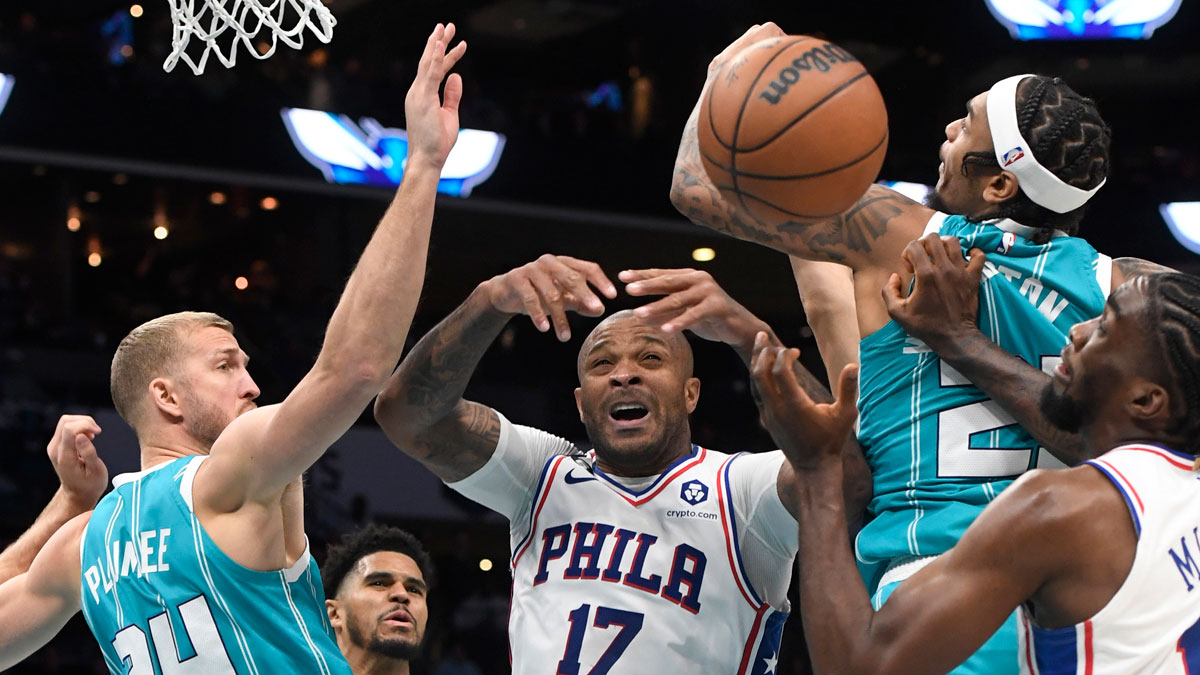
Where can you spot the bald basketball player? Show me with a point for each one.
(647, 553)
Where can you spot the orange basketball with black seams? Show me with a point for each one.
(793, 128)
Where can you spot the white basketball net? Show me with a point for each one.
(218, 26)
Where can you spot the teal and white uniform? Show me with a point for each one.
(162, 599)
(938, 448)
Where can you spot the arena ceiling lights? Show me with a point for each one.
(6, 87)
(368, 153)
(1183, 219)
(1082, 19)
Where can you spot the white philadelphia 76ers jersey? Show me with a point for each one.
(1152, 624)
(609, 578)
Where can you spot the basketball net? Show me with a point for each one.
(202, 27)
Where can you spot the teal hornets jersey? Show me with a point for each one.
(162, 599)
(940, 450)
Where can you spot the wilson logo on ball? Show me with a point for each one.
(820, 59)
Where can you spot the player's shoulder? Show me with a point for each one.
(1054, 499)
(1124, 269)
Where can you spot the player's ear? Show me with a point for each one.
(1150, 405)
(579, 402)
(691, 393)
(1001, 187)
(165, 395)
(334, 609)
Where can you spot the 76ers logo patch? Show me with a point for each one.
(693, 492)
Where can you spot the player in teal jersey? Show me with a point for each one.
(199, 563)
(1015, 174)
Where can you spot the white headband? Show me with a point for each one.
(1015, 155)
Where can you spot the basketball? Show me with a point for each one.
(793, 128)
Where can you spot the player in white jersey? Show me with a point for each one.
(648, 553)
(1101, 559)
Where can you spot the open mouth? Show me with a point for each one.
(400, 618)
(628, 412)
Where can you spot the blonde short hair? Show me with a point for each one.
(152, 350)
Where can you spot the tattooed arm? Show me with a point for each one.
(870, 234)
(941, 312)
(422, 410)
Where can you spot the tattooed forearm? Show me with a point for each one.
(435, 374)
(422, 410)
(856, 230)
(694, 195)
(853, 234)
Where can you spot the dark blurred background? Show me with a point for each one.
(99, 146)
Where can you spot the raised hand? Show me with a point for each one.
(80, 471)
(944, 301)
(549, 287)
(692, 301)
(432, 121)
(810, 434)
(756, 33)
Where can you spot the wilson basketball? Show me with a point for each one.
(793, 128)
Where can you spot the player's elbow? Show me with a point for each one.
(395, 417)
(355, 380)
(678, 192)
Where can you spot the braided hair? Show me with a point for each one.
(1175, 307)
(1067, 136)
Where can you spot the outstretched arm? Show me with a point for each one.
(946, 611)
(422, 410)
(827, 293)
(870, 234)
(82, 479)
(36, 604)
(263, 451)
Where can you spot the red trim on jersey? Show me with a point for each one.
(533, 522)
(1028, 643)
(666, 481)
(1132, 490)
(748, 652)
(733, 566)
(1173, 460)
(1087, 648)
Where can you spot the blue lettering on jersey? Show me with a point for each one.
(1187, 565)
(587, 543)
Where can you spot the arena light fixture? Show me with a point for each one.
(914, 191)
(1082, 19)
(1183, 219)
(6, 87)
(368, 153)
